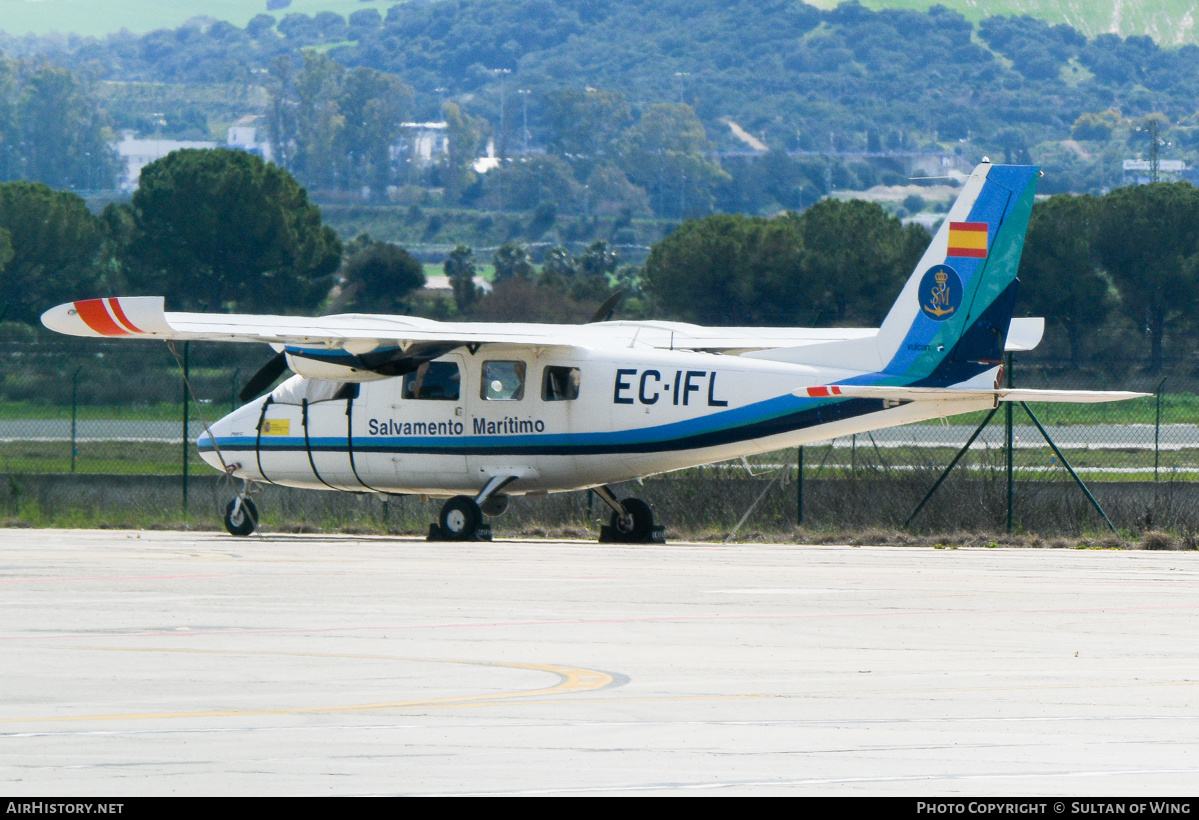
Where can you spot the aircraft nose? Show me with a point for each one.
(208, 442)
(231, 440)
(226, 435)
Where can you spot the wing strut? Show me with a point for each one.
(1048, 439)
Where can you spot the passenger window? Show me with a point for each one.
(560, 384)
(438, 381)
(503, 381)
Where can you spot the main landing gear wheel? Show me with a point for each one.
(241, 518)
(495, 506)
(637, 526)
(460, 519)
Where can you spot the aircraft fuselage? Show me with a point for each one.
(556, 418)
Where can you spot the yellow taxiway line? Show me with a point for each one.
(570, 679)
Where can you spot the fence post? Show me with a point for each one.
(799, 486)
(74, 414)
(233, 390)
(1008, 434)
(186, 376)
(1157, 428)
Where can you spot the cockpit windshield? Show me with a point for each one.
(297, 389)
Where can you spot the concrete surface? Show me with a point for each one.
(164, 663)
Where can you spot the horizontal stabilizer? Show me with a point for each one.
(1024, 334)
(940, 394)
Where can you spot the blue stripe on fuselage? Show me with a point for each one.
(782, 414)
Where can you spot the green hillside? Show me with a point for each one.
(100, 17)
(1169, 22)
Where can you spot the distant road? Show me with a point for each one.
(1068, 437)
(92, 430)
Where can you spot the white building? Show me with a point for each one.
(136, 154)
(424, 142)
(244, 136)
(1140, 171)
(488, 161)
(441, 284)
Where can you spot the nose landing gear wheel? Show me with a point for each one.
(460, 520)
(241, 518)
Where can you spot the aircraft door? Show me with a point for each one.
(414, 432)
(502, 412)
(374, 461)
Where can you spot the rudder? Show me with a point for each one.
(951, 319)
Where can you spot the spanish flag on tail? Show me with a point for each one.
(968, 239)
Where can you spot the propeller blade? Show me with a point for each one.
(609, 307)
(347, 295)
(396, 362)
(264, 378)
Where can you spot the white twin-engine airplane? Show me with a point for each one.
(477, 412)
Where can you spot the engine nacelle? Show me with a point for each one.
(328, 371)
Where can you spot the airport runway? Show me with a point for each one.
(146, 663)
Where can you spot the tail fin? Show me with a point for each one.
(951, 319)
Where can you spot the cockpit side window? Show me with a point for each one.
(349, 390)
(502, 381)
(560, 383)
(436, 381)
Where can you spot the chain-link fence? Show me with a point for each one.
(112, 408)
(98, 410)
(1069, 468)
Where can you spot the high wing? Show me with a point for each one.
(356, 333)
(146, 317)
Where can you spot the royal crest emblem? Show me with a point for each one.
(940, 292)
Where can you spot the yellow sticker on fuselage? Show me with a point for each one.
(276, 427)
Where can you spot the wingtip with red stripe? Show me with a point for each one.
(109, 317)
